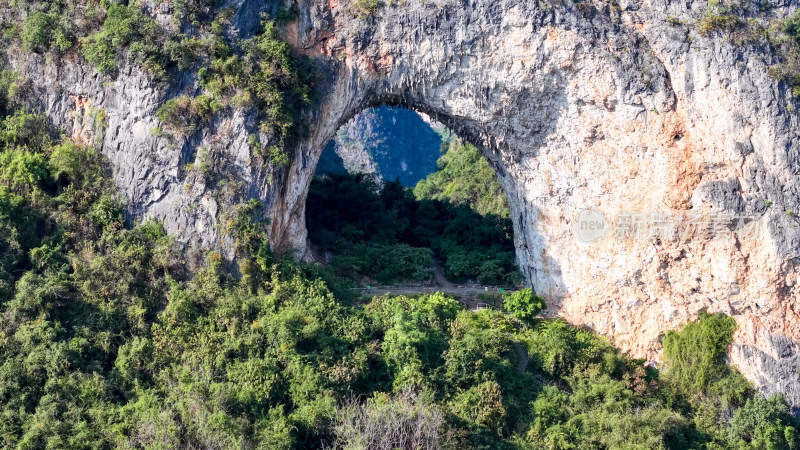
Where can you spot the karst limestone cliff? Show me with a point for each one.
(615, 114)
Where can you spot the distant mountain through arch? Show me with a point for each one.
(394, 143)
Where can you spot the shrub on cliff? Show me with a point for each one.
(693, 358)
(265, 75)
(8, 87)
(695, 371)
(719, 19)
(25, 131)
(44, 31)
(125, 27)
(785, 36)
(260, 71)
(183, 114)
(362, 8)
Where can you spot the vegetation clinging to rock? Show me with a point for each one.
(786, 37)
(126, 27)
(464, 178)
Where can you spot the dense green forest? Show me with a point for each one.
(106, 341)
(457, 216)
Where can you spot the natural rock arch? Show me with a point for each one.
(582, 107)
(284, 232)
(506, 102)
(577, 105)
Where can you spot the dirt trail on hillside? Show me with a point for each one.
(439, 278)
(401, 289)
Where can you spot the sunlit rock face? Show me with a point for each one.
(679, 150)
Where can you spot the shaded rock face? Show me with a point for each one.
(610, 129)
